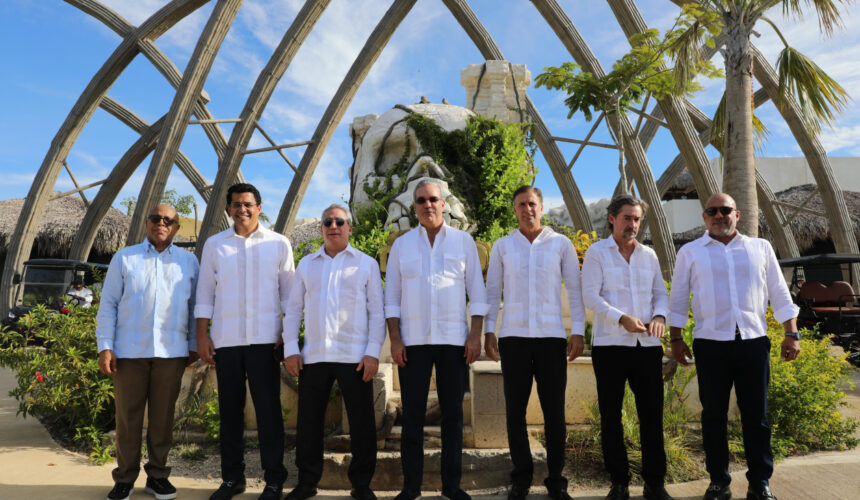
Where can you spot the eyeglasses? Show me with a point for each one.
(328, 221)
(712, 211)
(422, 200)
(238, 204)
(155, 219)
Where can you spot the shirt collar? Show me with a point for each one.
(151, 247)
(707, 240)
(443, 230)
(258, 233)
(321, 252)
(545, 232)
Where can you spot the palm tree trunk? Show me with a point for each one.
(739, 170)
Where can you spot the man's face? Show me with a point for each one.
(720, 224)
(160, 233)
(335, 236)
(625, 225)
(528, 208)
(429, 211)
(244, 210)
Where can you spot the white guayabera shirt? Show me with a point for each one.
(531, 275)
(612, 287)
(342, 302)
(731, 285)
(244, 285)
(426, 286)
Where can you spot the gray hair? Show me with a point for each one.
(337, 206)
(618, 203)
(425, 182)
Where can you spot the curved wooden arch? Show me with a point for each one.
(21, 242)
(176, 120)
(254, 106)
(336, 108)
(634, 152)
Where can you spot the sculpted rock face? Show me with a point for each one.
(381, 142)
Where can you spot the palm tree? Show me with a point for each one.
(818, 95)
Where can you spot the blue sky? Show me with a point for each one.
(52, 50)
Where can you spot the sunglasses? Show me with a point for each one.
(712, 211)
(328, 221)
(155, 219)
(422, 200)
(238, 204)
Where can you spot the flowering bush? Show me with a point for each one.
(60, 381)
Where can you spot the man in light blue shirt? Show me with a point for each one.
(146, 337)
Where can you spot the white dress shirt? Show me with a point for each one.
(342, 302)
(82, 297)
(531, 275)
(731, 285)
(612, 287)
(244, 285)
(426, 286)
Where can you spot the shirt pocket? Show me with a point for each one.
(137, 281)
(615, 280)
(454, 267)
(410, 267)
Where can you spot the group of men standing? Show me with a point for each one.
(247, 281)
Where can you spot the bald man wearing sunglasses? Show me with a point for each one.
(338, 292)
(146, 337)
(732, 278)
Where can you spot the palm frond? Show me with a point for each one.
(820, 96)
(829, 17)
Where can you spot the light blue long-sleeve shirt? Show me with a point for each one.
(147, 303)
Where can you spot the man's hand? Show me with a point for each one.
(632, 324)
(107, 362)
(370, 365)
(790, 348)
(473, 348)
(192, 357)
(575, 346)
(681, 352)
(398, 352)
(491, 346)
(657, 326)
(205, 348)
(293, 364)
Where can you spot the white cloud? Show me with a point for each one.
(845, 138)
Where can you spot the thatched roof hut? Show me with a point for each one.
(58, 226)
(812, 232)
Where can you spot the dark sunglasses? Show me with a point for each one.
(155, 219)
(328, 221)
(712, 211)
(422, 200)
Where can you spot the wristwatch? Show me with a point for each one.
(794, 335)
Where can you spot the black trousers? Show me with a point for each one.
(315, 382)
(257, 364)
(545, 361)
(746, 365)
(642, 367)
(451, 372)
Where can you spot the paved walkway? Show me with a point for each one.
(34, 467)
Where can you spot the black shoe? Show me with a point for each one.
(408, 495)
(656, 493)
(121, 491)
(228, 489)
(362, 493)
(518, 492)
(302, 491)
(160, 487)
(618, 491)
(717, 491)
(457, 494)
(762, 492)
(272, 492)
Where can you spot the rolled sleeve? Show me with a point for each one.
(679, 299)
(779, 296)
(495, 277)
(478, 305)
(393, 285)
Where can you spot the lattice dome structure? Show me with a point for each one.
(688, 125)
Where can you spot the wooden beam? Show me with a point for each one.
(585, 143)
(587, 137)
(75, 182)
(278, 147)
(79, 189)
(649, 116)
(214, 120)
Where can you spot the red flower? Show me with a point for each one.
(64, 310)
(39, 377)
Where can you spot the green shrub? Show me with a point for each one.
(60, 381)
